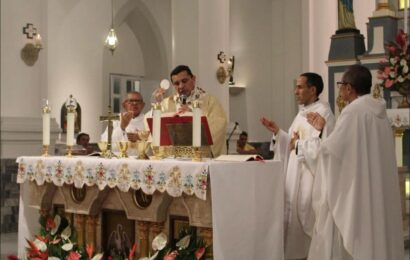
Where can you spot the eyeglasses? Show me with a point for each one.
(341, 83)
(135, 101)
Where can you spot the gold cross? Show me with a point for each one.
(109, 118)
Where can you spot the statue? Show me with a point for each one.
(345, 14)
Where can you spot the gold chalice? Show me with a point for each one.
(142, 143)
(123, 146)
(103, 145)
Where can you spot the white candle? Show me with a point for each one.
(196, 127)
(46, 128)
(405, 16)
(156, 127)
(70, 128)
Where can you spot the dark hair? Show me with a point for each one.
(359, 77)
(180, 68)
(244, 133)
(80, 135)
(314, 79)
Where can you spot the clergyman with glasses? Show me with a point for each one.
(131, 119)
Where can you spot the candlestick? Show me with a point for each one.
(46, 124)
(405, 16)
(70, 128)
(196, 124)
(156, 125)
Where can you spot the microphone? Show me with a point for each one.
(229, 137)
(183, 99)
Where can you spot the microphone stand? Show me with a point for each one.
(229, 137)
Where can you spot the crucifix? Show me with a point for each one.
(109, 118)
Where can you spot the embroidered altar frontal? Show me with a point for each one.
(174, 177)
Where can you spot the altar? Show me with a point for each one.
(237, 207)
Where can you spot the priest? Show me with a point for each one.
(291, 147)
(356, 192)
(131, 119)
(181, 103)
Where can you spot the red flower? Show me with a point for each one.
(12, 257)
(171, 256)
(90, 250)
(199, 253)
(401, 38)
(50, 224)
(132, 251)
(73, 256)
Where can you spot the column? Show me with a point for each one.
(383, 9)
(143, 236)
(91, 227)
(156, 228)
(79, 227)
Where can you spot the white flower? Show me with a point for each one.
(403, 62)
(392, 74)
(97, 256)
(159, 242)
(67, 247)
(405, 69)
(184, 242)
(66, 234)
(40, 245)
(57, 221)
(400, 79)
(53, 258)
(393, 60)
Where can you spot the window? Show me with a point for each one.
(120, 85)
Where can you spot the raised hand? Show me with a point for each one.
(270, 125)
(316, 120)
(126, 119)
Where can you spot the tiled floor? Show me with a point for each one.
(9, 246)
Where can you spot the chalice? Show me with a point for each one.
(123, 146)
(142, 143)
(103, 145)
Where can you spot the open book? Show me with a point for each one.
(239, 157)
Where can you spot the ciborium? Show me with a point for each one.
(142, 144)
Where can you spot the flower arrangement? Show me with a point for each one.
(395, 66)
(189, 247)
(57, 240)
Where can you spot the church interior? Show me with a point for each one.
(246, 53)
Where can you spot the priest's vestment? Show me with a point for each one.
(299, 217)
(213, 110)
(356, 192)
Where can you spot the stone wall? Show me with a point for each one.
(9, 199)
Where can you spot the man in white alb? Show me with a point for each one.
(292, 147)
(356, 193)
(131, 120)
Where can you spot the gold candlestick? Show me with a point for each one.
(158, 153)
(196, 154)
(45, 151)
(69, 151)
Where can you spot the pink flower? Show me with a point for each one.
(389, 83)
(171, 256)
(199, 253)
(73, 256)
(391, 49)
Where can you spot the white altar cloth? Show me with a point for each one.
(247, 197)
(172, 176)
(247, 210)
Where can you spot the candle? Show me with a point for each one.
(70, 128)
(196, 125)
(405, 16)
(156, 126)
(46, 124)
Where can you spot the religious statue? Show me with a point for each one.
(345, 14)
